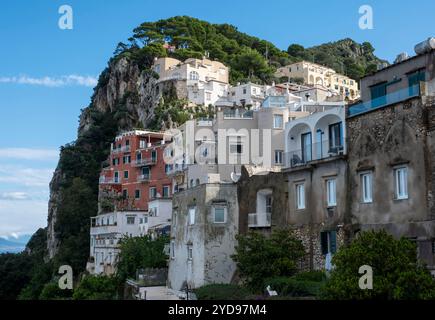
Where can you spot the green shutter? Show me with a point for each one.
(333, 241)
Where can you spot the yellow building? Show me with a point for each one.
(315, 74)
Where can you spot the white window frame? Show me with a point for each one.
(275, 117)
(366, 186)
(189, 252)
(130, 217)
(191, 216)
(169, 191)
(300, 196)
(214, 214)
(331, 192)
(279, 156)
(149, 193)
(401, 182)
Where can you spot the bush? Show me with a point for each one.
(222, 292)
(316, 275)
(259, 257)
(51, 291)
(294, 287)
(397, 274)
(97, 288)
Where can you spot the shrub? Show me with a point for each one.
(97, 288)
(397, 274)
(291, 286)
(222, 292)
(259, 257)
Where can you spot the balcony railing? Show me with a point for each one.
(122, 149)
(383, 101)
(259, 220)
(238, 114)
(144, 178)
(314, 151)
(177, 168)
(105, 180)
(144, 162)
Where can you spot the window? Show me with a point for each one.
(126, 174)
(366, 187)
(137, 194)
(172, 250)
(236, 148)
(244, 90)
(219, 214)
(166, 192)
(126, 159)
(401, 182)
(278, 156)
(190, 252)
(208, 96)
(277, 121)
(157, 68)
(191, 216)
(138, 157)
(300, 196)
(331, 192)
(328, 241)
(125, 194)
(116, 180)
(130, 219)
(154, 155)
(153, 192)
(335, 137)
(193, 75)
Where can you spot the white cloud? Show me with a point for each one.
(22, 217)
(29, 154)
(14, 196)
(29, 177)
(68, 80)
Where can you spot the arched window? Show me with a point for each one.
(197, 182)
(193, 75)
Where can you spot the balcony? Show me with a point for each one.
(176, 169)
(106, 180)
(315, 151)
(144, 162)
(238, 114)
(122, 149)
(144, 178)
(104, 229)
(391, 98)
(259, 220)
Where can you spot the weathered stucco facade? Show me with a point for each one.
(201, 249)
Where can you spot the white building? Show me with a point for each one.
(106, 232)
(201, 81)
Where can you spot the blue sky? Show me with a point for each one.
(47, 74)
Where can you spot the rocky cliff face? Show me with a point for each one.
(124, 90)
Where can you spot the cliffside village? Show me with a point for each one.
(327, 158)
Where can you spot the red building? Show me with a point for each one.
(135, 172)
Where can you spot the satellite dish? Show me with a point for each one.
(235, 176)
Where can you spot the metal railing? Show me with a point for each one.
(105, 180)
(122, 149)
(314, 151)
(259, 219)
(238, 114)
(143, 162)
(383, 101)
(143, 178)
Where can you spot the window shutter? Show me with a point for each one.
(333, 241)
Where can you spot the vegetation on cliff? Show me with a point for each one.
(74, 188)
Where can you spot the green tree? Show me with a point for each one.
(259, 257)
(140, 252)
(296, 50)
(397, 274)
(51, 291)
(97, 288)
